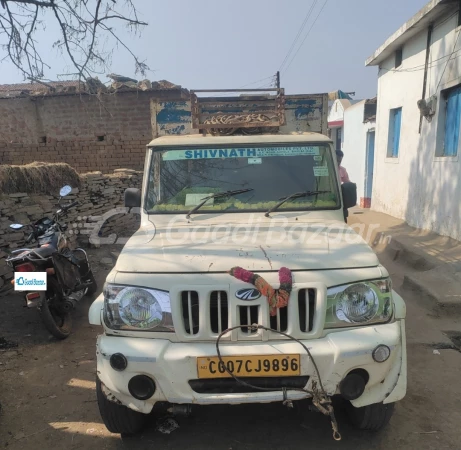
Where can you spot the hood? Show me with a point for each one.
(219, 246)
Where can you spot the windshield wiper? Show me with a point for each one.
(217, 195)
(292, 196)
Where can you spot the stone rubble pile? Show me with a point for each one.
(100, 213)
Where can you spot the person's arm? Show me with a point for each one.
(346, 176)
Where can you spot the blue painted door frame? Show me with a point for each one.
(369, 163)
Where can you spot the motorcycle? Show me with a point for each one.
(68, 273)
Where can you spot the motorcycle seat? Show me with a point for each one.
(45, 251)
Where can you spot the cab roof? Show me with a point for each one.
(198, 139)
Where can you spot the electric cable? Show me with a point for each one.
(310, 29)
(323, 404)
(306, 19)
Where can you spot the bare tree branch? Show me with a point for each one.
(31, 2)
(141, 67)
(116, 16)
(84, 30)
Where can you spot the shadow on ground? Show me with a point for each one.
(49, 402)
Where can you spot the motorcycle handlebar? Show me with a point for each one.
(70, 205)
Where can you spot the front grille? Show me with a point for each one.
(248, 315)
(279, 322)
(306, 309)
(219, 311)
(190, 311)
(204, 313)
(231, 386)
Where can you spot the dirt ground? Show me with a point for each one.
(47, 393)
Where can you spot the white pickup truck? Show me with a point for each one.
(244, 284)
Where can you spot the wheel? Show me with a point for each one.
(85, 273)
(93, 287)
(118, 418)
(371, 417)
(57, 321)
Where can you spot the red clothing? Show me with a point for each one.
(344, 175)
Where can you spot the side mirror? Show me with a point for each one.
(16, 226)
(132, 198)
(349, 191)
(65, 190)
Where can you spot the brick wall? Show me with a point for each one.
(87, 133)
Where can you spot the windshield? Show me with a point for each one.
(182, 178)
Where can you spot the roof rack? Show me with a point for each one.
(253, 108)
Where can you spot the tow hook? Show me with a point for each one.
(286, 401)
(180, 410)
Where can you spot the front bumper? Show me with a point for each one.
(172, 365)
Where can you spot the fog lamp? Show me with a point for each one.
(381, 353)
(353, 386)
(141, 387)
(118, 362)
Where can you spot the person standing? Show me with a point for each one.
(344, 177)
(342, 170)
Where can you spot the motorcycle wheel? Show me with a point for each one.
(87, 274)
(58, 323)
(93, 287)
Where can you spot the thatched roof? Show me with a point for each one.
(37, 178)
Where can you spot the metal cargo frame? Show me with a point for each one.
(270, 106)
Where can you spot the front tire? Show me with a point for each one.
(118, 418)
(86, 273)
(56, 321)
(372, 417)
(93, 287)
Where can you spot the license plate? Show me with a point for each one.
(249, 366)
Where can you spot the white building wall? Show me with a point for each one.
(355, 145)
(417, 186)
(336, 112)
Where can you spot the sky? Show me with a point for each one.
(216, 44)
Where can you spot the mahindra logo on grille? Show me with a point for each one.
(248, 294)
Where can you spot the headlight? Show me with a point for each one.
(135, 308)
(365, 303)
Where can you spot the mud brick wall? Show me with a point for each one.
(85, 131)
(100, 213)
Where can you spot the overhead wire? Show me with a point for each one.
(449, 59)
(438, 25)
(307, 34)
(272, 85)
(257, 81)
(306, 19)
(420, 67)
